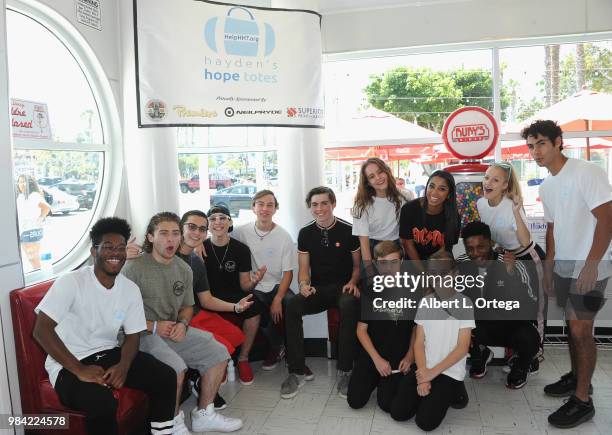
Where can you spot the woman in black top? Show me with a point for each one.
(430, 223)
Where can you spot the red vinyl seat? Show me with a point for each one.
(37, 394)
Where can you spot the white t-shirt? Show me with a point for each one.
(276, 251)
(442, 333)
(378, 221)
(28, 211)
(568, 199)
(502, 222)
(88, 315)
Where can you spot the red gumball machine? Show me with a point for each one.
(469, 133)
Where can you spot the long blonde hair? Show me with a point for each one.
(514, 187)
(366, 193)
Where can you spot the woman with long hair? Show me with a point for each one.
(431, 222)
(377, 206)
(501, 209)
(32, 209)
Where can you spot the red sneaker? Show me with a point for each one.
(308, 374)
(273, 358)
(245, 374)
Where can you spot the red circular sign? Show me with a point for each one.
(470, 133)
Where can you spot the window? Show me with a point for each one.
(65, 168)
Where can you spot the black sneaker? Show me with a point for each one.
(478, 368)
(566, 386)
(517, 377)
(219, 401)
(462, 399)
(572, 413)
(534, 367)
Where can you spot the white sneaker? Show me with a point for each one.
(179, 427)
(208, 420)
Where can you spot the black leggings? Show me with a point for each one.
(154, 378)
(365, 378)
(429, 410)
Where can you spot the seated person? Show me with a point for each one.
(77, 325)
(441, 344)
(385, 344)
(195, 227)
(505, 279)
(271, 246)
(228, 265)
(328, 262)
(166, 284)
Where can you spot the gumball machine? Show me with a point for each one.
(468, 181)
(469, 133)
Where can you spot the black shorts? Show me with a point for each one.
(583, 304)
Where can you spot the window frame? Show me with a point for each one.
(111, 148)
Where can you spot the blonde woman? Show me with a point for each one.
(377, 207)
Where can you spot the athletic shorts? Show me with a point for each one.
(31, 236)
(585, 305)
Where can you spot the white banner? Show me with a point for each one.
(201, 63)
(30, 120)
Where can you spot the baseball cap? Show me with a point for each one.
(223, 210)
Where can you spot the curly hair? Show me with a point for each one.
(547, 128)
(109, 225)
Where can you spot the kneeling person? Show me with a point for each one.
(84, 367)
(166, 283)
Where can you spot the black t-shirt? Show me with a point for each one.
(426, 230)
(200, 276)
(223, 265)
(331, 260)
(390, 338)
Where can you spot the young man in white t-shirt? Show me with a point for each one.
(271, 246)
(577, 200)
(77, 325)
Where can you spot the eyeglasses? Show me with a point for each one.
(193, 227)
(108, 248)
(218, 218)
(325, 238)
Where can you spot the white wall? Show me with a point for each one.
(462, 21)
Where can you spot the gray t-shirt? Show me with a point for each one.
(165, 288)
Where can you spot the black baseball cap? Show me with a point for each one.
(223, 210)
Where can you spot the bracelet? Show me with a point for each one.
(237, 308)
(304, 284)
(154, 328)
(185, 323)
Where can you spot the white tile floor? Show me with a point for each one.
(493, 409)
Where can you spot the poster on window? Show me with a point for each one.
(201, 63)
(30, 120)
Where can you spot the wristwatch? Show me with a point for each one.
(184, 322)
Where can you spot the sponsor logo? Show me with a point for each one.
(156, 110)
(242, 34)
(470, 133)
(184, 112)
(305, 112)
(230, 111)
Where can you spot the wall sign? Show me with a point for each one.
(89, 13)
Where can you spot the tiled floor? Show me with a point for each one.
(493, 409)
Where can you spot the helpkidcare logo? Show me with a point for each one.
(243, 46)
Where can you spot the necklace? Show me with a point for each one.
(262, 235)
(224, 254)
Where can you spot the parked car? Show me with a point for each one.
(85, 192)
(60, 202)
(215, 181)
(49, 181)
(235, 198)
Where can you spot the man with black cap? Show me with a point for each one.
(228, 265)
